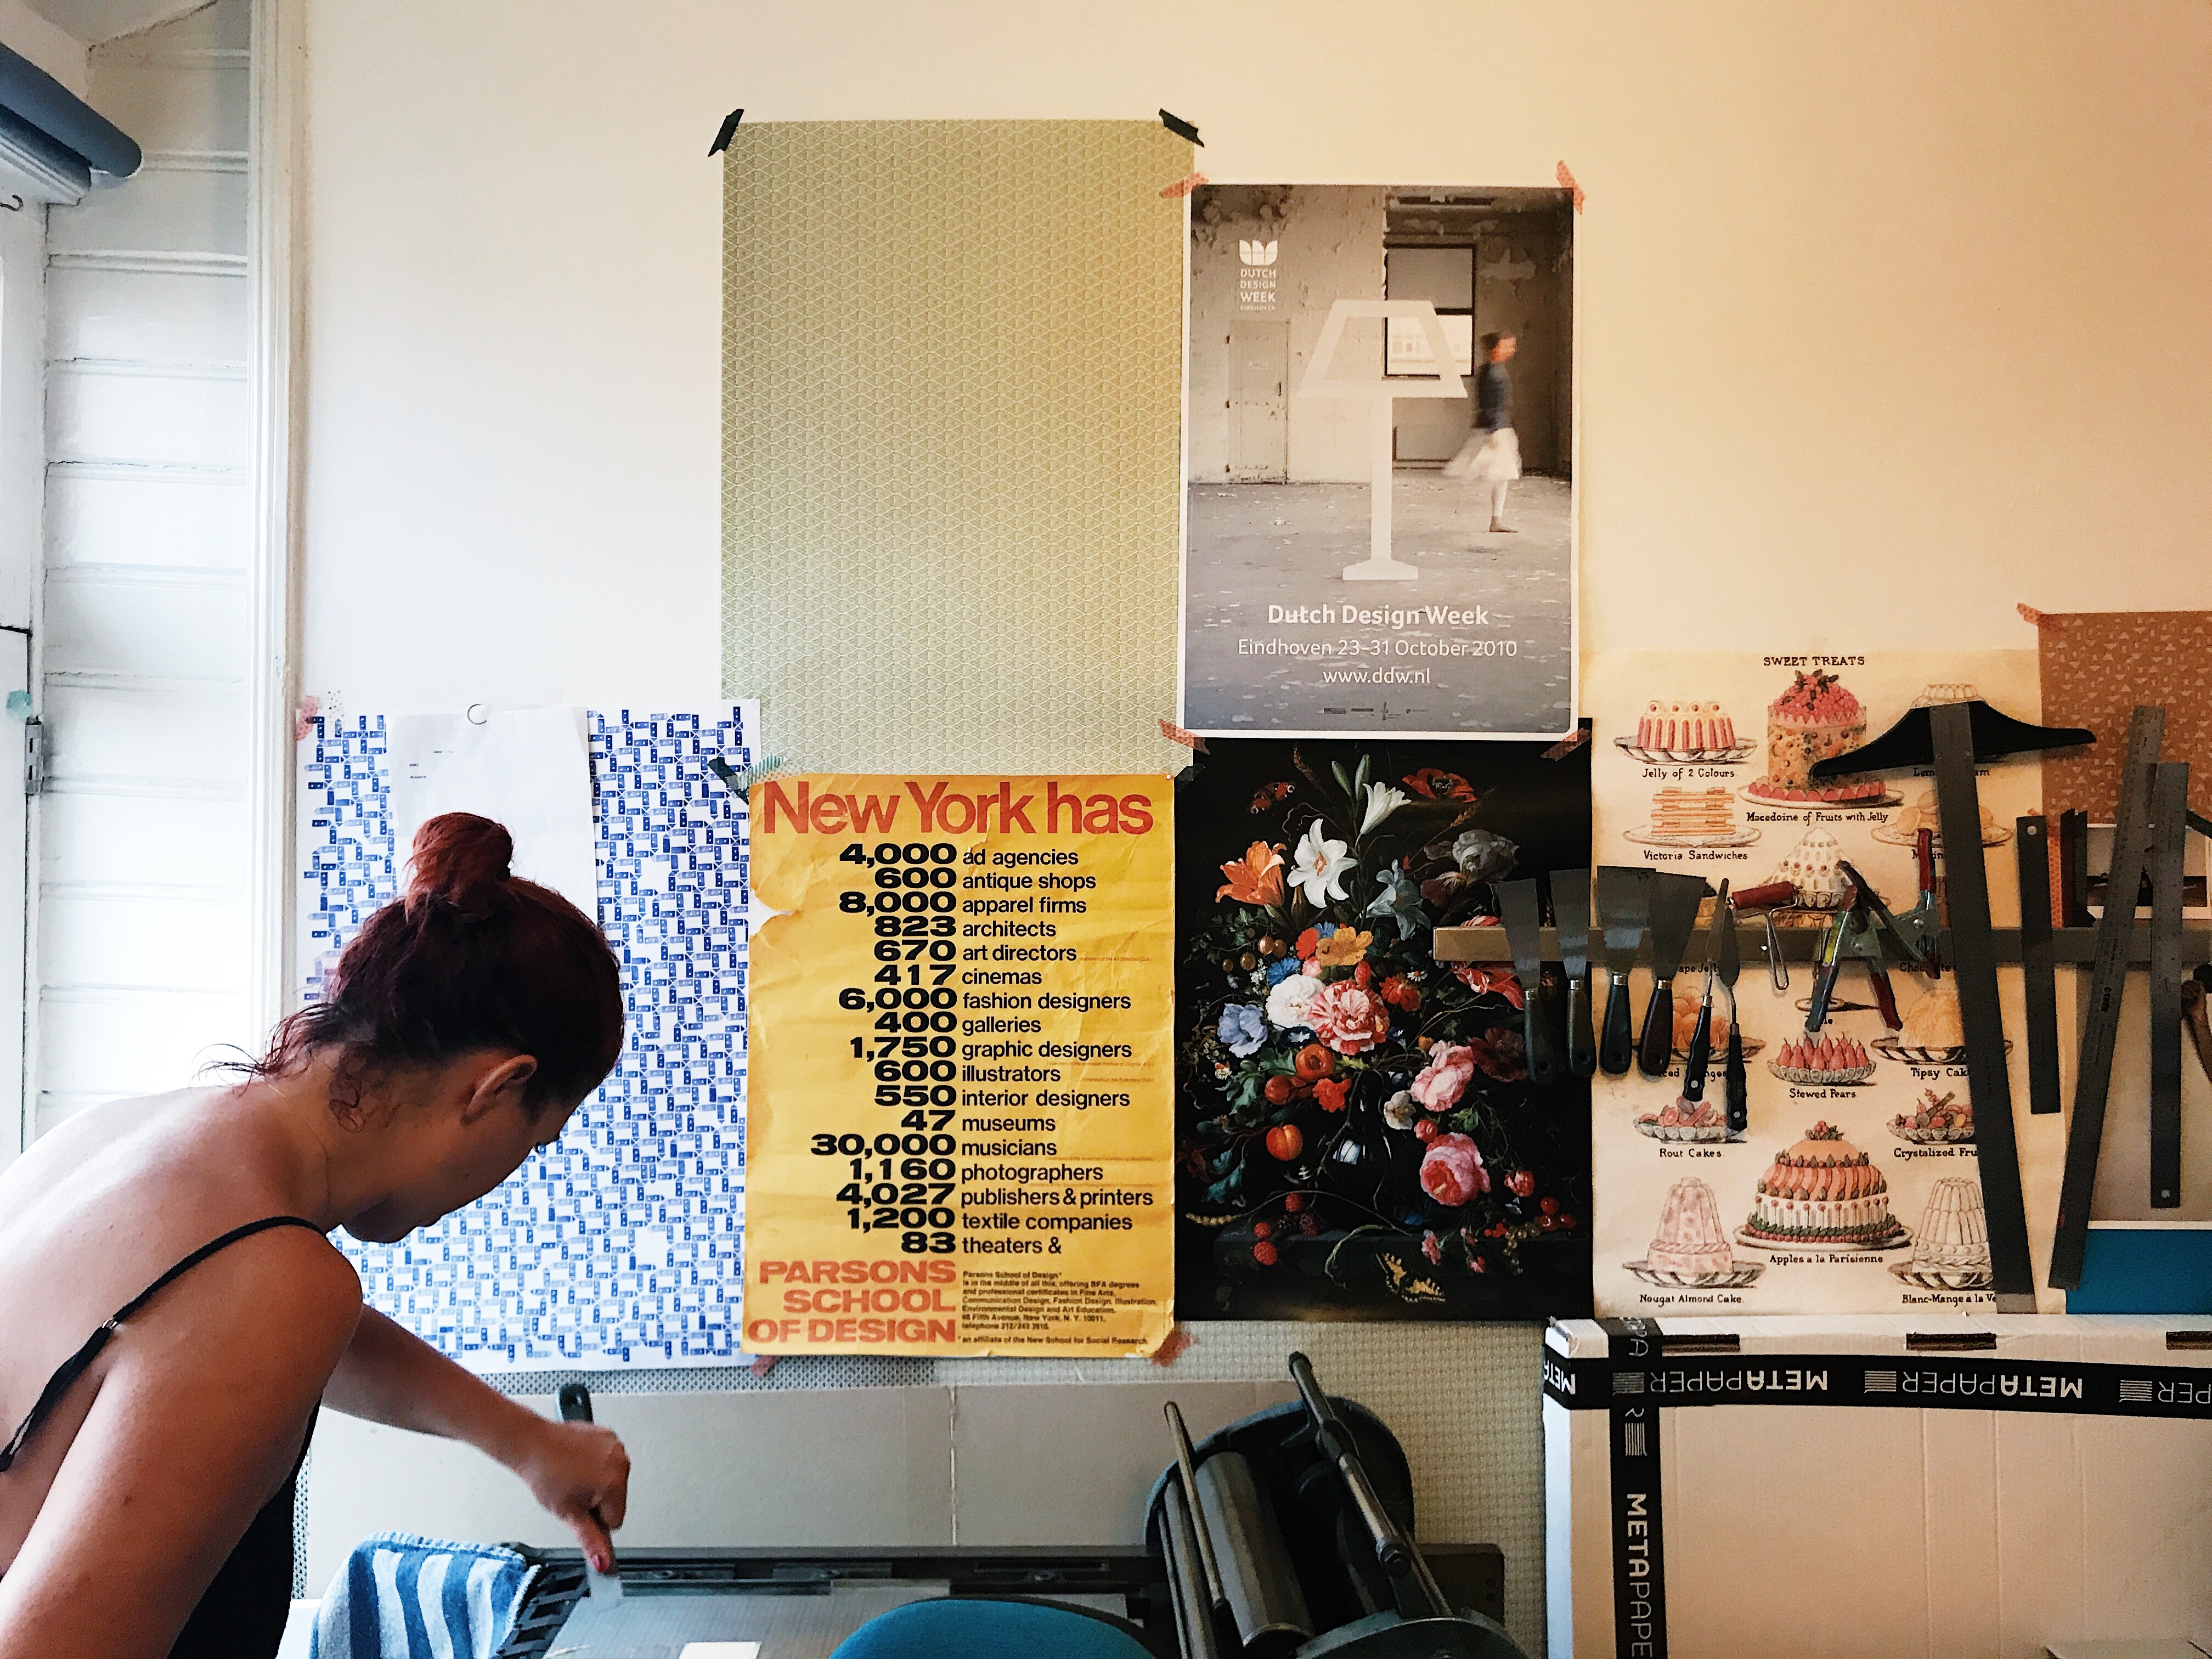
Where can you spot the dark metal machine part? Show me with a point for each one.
(1520, 907)
(1623, 901)
(2092, 1066)
(1265, 1605)
(2039, 970)
(1674, 900)
(1570, 912)
(1336, 1490)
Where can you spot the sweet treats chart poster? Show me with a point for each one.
(1854, 1187)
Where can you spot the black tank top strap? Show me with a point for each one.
(76, 1365)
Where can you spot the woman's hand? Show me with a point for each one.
(579, 1472)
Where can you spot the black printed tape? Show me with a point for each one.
(1918, 1382)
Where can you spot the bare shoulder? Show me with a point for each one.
(288, 1282)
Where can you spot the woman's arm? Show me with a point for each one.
(578, 1470)
(196, 1423)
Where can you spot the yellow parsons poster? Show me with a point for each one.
(959, 1134)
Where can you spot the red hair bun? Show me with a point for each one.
(461, 859)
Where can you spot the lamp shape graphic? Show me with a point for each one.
(1382, 394)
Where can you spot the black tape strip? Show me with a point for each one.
(1640, 1548)
(2168, 840)
(1917, 1382)
(1181, 128)
(727, 131)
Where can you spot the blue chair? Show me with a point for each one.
(990, 1630)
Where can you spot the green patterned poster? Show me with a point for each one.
(952, 403)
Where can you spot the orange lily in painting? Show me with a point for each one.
(1255, 878)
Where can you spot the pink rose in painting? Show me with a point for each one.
(1347, 1018)
(1450, 1066)
(1452, 1172)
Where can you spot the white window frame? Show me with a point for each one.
(23, 197)
(274, 168)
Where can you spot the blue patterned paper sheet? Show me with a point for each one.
(618, 1246)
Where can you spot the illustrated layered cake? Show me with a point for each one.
(1685, 728)
(1692, 814)
(1811, 869)
(1824, 1194)
(1951, 1250)
(1691, 1248)
(1814, 720)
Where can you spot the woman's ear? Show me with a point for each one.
(501, 1085)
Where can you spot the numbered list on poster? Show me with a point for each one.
(959, 1134)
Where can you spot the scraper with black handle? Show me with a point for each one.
(576, 1407)
(1571, 911)
(1674, 917)
(1738, 1099)
(1521, 910)
(1623, 895)
(1700, 1053)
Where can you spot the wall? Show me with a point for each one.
(46, 44)
(1896, 301)
(143, 629)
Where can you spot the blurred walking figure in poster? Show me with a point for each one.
(1492, 454)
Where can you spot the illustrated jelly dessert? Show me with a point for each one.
(1691, 1242)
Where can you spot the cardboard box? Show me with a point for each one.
(1878, 1486)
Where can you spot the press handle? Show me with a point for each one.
(1655, 1049)
(1616, 1044)
(1582, 1039)
(1885, 996)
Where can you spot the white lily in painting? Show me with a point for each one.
(1382, 800)
(1319, 868)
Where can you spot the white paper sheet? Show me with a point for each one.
(530, 768)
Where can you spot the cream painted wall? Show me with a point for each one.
(1890, 315)
(1884, 307)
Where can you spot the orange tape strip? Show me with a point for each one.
(1175, 733)
(1567, 745)
(2030, 616)
(1566, 179)
(1182, 186)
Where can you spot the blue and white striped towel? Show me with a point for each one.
(398, 1597)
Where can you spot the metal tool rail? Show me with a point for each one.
(2070, 946)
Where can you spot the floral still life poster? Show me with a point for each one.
(1356, 1136)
